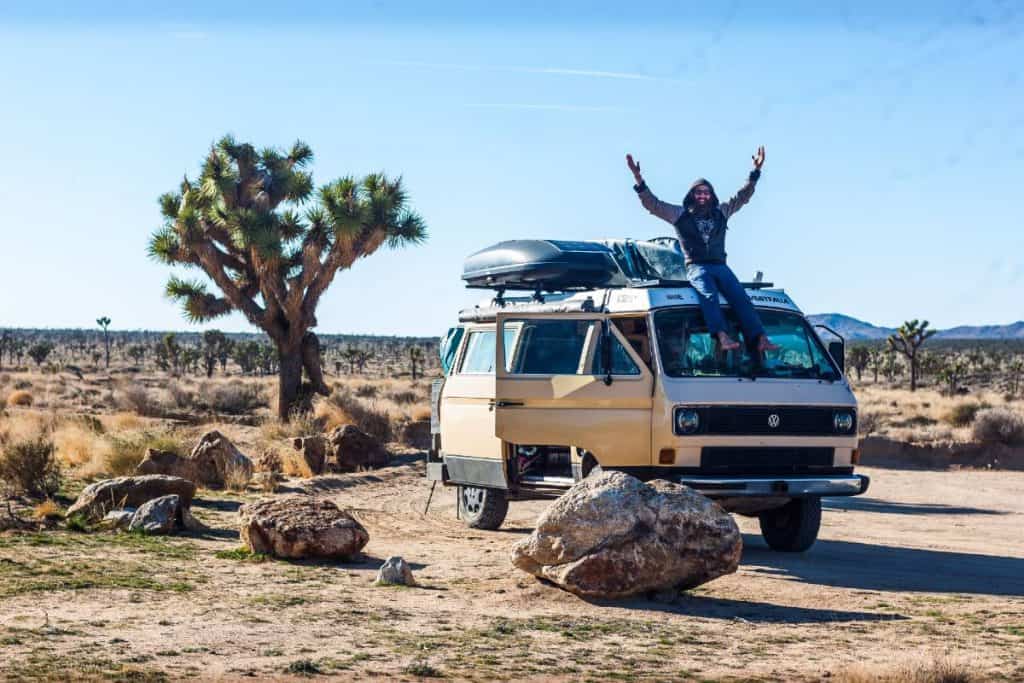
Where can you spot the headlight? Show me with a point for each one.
(842, 421)
(687, 421)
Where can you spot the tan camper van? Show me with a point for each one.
(543, 390)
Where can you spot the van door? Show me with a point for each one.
(572, 380)
(472, 452)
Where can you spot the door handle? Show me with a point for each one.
(492, 404)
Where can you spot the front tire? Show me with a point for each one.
(792, 528)
(483, 508)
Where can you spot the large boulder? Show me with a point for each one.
(612, 536)
(296, 527)
(129, 492)
(213, 463)
(158, 516)
(353, 449)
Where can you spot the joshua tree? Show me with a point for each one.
(240, 224)
(104, 322)
(951, 374)
(907, 340)
(137, 352)
(859, 357)
(39, 352)
(6, 341)
(216, 348)
(415, 360)
(351, 354)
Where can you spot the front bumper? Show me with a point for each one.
(784, 487)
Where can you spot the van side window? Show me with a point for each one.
(551, 347)
(622, 364)
(479, 357)
(448, 347)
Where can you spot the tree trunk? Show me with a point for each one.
(289, 382)
(311, 362)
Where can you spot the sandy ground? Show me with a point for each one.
(926, 565)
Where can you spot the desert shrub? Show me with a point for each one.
(139, 400)
(234, 398)
(126, 451)
(868, 422)
(181, 396)
(915, 672)
(300, 424)
(963, 414)
(19, 397)
(999, 425)
(236, 477)
(371, 420)
(29, 467)
(366, 391)
(404, 397)
(48, 510)
(420, 413)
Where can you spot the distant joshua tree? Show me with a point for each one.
(859, 358)
(240, 224)
(6, 341)
(39, 352)
(908, 340)
(104, 322)
(415, 360)
(216, 348)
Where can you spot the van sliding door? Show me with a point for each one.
(558, 386)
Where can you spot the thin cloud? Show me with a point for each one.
(549, 71)
(547, 107)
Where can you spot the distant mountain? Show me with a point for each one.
(858, 330)
(851, 328)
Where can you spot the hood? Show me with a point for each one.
(688, 200)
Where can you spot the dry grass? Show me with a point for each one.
(236, 477)
(924, 416)
(48, 510)
(293, 464)
(20, 397)
(940, 671)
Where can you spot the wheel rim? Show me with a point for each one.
(472, 500)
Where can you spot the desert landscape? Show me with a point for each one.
(920, 579)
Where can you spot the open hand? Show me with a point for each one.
(759, 158)
(635, 169)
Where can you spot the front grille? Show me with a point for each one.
(765, 461)
(758, 420)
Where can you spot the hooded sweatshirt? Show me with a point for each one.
(701, 232)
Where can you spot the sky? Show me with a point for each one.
(894, 136)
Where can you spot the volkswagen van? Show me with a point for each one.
(608, 365)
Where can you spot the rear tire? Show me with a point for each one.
(482, 508)
(792, 528)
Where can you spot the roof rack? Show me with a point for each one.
(686, 283)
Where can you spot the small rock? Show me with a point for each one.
(190, 523)
(212, 463)
(395, 572)
(118, 519)
(296, 527)
(129, 492)
(314, 451)
(158, 516)
(354, 449)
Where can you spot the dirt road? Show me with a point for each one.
(926, 565)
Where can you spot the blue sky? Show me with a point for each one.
(894, 135)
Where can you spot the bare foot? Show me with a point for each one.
(764, 344)
(728, 344)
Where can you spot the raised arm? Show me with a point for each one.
(663, 210)
(747, 191)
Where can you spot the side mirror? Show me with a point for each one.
(837, 350)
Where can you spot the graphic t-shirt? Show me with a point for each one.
(705, 226)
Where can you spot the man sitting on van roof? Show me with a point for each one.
(701, 223)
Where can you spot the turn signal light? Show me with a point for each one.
(855, 456)
(667, 456)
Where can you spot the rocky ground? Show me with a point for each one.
(928, 566)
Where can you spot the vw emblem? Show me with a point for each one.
(773, 420)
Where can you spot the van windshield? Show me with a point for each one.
(687, 350)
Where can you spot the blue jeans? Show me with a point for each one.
(711, 279)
